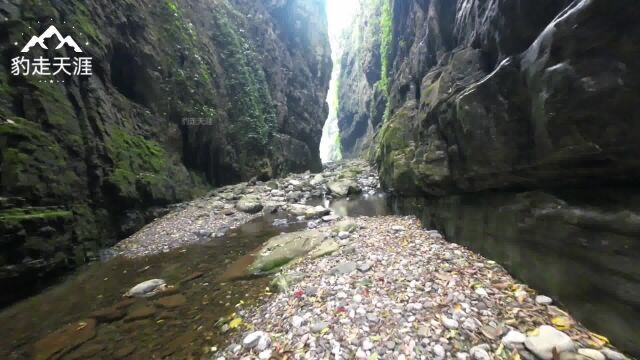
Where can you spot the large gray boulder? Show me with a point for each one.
(249, 204)
(344, 187)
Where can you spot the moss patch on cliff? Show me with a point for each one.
(34, 165)
(251, 111)
(385, 45)
(134, 157)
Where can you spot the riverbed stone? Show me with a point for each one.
(316, 212)
(344, 187)
(514, 338)
(546, 339)
(124, 351)
(107, 315)
(592, 354)
(249, 204)
(173, 301)
(317, 326)
(139, 312)
(612, 355)
(543, 300)
(65, 339)
(347, 225)
(147, 288)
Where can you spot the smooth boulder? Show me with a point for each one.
(281, 249)
(249, 204)
(546, 339)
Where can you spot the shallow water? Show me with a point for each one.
(581, 250)
(186, 331)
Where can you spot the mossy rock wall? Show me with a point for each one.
(184, 96)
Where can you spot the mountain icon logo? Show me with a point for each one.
(49, 33)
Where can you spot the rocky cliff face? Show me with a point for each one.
(511, 94)
(183, 95)
(360, 92)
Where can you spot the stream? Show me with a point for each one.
(528, 233)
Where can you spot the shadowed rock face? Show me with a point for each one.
(494, 95)
(184, 95)
(360, 96)
(511, 94)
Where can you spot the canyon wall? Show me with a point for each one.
(517, 121)
(361, 95)
(183, 96)
(511, 94)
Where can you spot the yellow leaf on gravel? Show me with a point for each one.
(516, 356)
(235, 323)
(598, 340)
(534, 332)
(561, 322)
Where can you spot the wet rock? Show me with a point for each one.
(592, 354)
(125, 303)
(85, 351)
(64, 340)
(345, 226)
(283, 248)
(280, 222)
(139, 312)
(191, 277)
(249, 205)
(107, 315)
(316, 212)
(546, 340)
(147, 288)
(297, 209)
(124, 351)
(173, 301)
(344, 187)
(330, 218)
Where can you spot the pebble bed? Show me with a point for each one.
(397, 291)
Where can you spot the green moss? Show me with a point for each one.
(251, 112)
(56, 105)
(337, 143)
(38, 9)
(19, 214)
(81, 19)
(133, 157)
(386, 24)
(34, 165)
